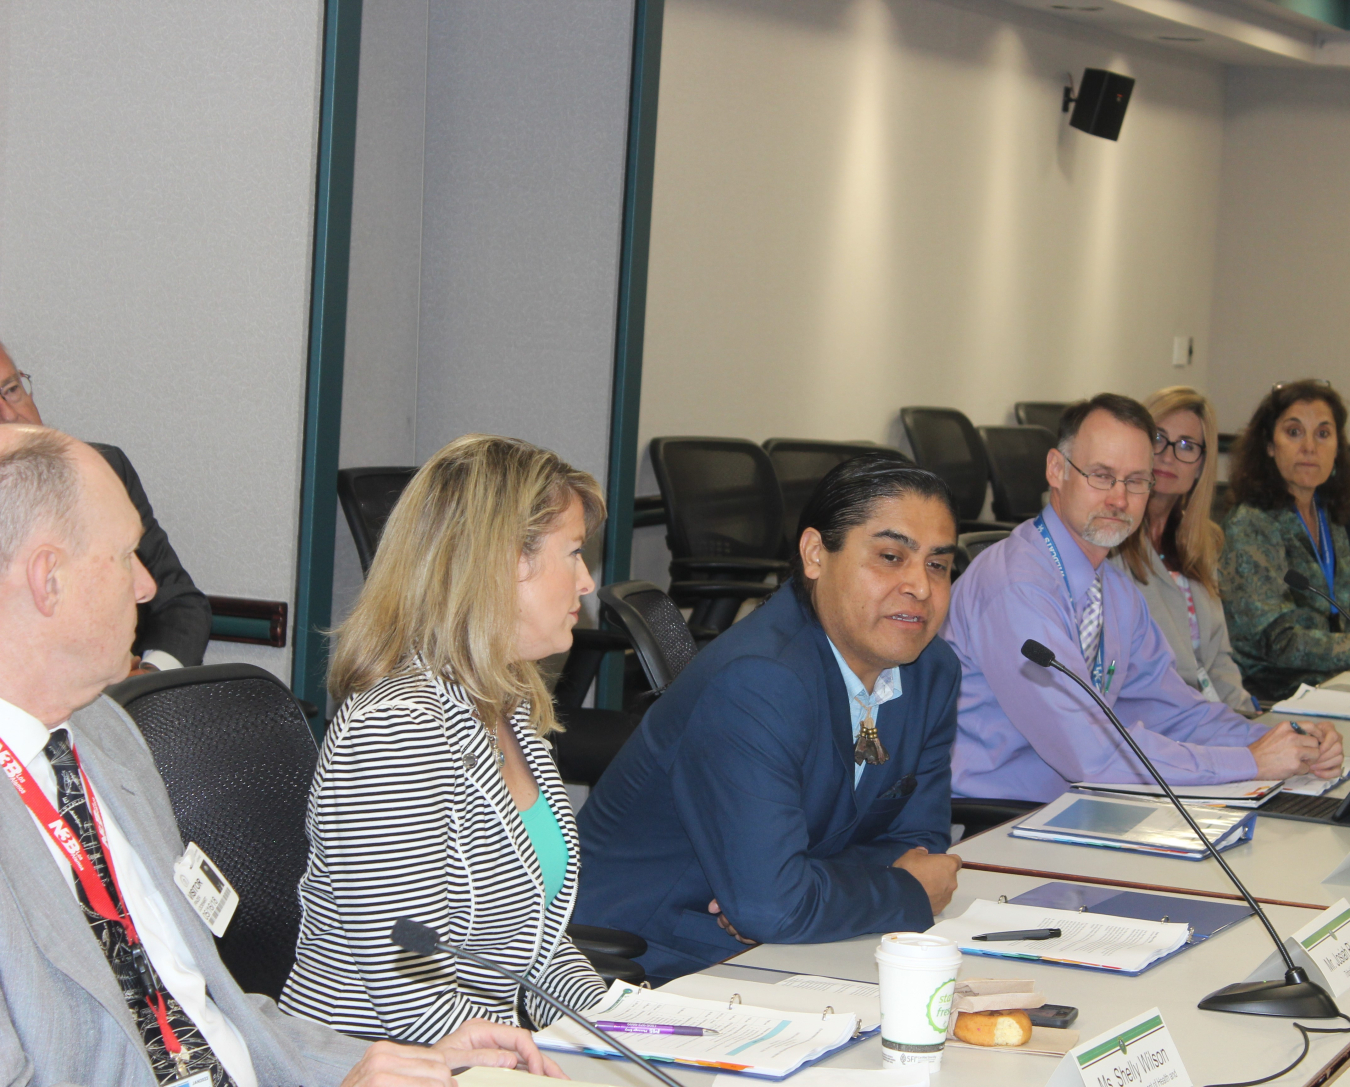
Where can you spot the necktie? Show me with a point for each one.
(1090, 623)
(195, 1056)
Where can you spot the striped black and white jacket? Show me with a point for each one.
(410, 817)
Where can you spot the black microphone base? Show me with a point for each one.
(1294, 997)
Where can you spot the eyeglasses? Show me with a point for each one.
(18, 388)
(1186, 450)
(1105, 481)
(1320, 382)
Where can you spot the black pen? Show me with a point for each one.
(1022, 934)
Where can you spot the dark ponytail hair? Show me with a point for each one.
(850, 491)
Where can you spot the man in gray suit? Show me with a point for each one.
(107, 974)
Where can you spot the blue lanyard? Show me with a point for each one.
(1099, 665)
(1326, 553)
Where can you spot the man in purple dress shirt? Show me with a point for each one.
(1026, 733)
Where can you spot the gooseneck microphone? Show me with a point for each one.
(424, 940)
(1298, 581)
(1295, 995)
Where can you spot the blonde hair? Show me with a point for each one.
(1198, 539)
(444, 582)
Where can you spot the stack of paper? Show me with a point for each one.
(1142, 825)
(1315, 702)
(1105, 943)
(757, 1040)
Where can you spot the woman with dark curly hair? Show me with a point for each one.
(1291, 495)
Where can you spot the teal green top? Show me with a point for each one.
(546, 837)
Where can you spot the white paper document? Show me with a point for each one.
(761, 1041)
(800, 993)
(1315, 702)
(1312, 785)
(845, 1077)
(1244, 794)
(1089, 939)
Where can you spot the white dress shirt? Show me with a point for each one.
(26, 737)
(861, 700)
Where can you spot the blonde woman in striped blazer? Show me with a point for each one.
(436, 797)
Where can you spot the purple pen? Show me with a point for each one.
(652, 1028)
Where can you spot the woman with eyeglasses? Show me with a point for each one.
(1174, 555)
(1290, 480)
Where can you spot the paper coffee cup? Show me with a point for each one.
(918, 978)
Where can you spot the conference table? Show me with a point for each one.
(1216, 1047)
(1284, 865)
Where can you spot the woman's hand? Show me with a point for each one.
(496, 1046)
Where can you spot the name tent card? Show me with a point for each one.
(1321, 947)
(1140, 1052)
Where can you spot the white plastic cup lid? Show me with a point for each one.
(917, 946)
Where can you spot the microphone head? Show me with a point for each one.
(1037, 653)
(411, 936)
(1295, 580)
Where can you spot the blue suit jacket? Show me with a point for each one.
(739, 786)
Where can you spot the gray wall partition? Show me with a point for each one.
(491, 148)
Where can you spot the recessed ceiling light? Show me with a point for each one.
(1173, 38)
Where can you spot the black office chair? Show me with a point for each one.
(724, 527)
(1044, 413)
(1017, 468)
(800, 464)
(945, 442)
(237, 757)
(654, 625)
(970, 544)
(977, 816)
(368, 496)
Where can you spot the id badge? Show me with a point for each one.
(1206, 684)
(211, 896)
(201, 1079)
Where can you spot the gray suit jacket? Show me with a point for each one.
(63, 1019)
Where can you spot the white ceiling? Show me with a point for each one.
(1253, 32)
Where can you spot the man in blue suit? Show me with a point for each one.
(794, 783)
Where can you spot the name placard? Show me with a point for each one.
(1326, 939)
(1138, 1053)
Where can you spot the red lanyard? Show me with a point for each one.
(94, 890)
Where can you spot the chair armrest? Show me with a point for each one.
(609, 941)
(728, 566)
(603, 640)
(616, 968)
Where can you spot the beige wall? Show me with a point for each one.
(1280, 306)
(862, 204)
(157, 167)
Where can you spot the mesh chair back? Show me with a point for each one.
(945, 442)
(237, 757)
(1044, 413)
(970, 544)
(722, 498)
(1017, 468)
(658, 631)
(800, 464)
(368, 496)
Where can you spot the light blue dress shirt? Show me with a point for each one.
(860, 700)
(1026, 732)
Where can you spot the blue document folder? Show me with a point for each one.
(1206, 916)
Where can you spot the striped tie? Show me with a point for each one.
(1090, 623)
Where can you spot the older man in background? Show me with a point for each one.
(174, 627)
(1025, 734)
(107, 973)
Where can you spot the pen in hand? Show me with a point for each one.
(652, 1028)
(1022, 934)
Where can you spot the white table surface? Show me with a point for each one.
(1216, 1047)
(1285, 861)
